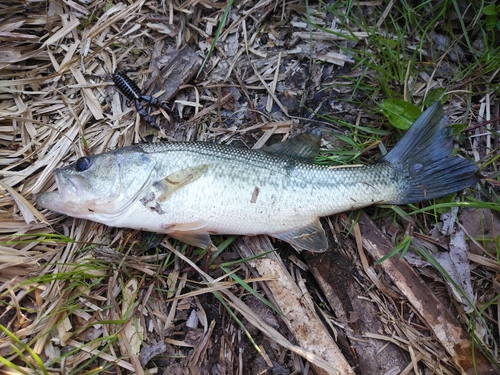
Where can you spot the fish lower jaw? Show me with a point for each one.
(50, 200)
(72, 206)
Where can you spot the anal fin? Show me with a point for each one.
(311, 237)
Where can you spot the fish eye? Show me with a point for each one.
(82, 164)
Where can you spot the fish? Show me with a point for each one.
(192, 190)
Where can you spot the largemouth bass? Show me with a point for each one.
(190, 190)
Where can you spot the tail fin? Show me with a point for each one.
(422, 159)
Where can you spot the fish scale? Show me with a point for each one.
(241, 170)
(190, 190)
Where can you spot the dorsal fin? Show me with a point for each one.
(304, 146)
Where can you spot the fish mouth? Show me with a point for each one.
(66, 196)
(68, 188)
(72, 198)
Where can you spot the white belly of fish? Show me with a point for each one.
(216, 203)
(207, 205)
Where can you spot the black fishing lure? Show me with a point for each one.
(132, 92)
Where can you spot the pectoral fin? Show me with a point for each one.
(177, 180)
(310, 238)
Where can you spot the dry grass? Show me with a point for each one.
(82, 298)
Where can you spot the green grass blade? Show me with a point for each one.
(252, 291)
(217, 35)
(26, 348)
(402, 247)
(237, 320)
(12, 366)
